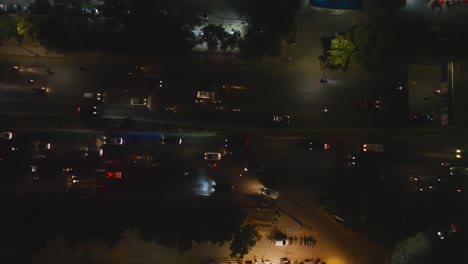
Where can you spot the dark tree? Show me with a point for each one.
(231, 41)
(213, 35)
(41, 7)
(268, 30)
(7, 27)
(243, 241)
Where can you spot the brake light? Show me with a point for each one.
(114, 175)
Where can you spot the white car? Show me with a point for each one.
(212, 156)
(283, 242)
(138, 101)
(44, 145)
(94, 152)
(6, 135)
(113, 140)
(270, 193)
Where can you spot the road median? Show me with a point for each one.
(27, 122)
(18, 122)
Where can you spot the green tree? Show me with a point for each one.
(7, 27)
(340, 52)
(27, 28)
(243, 241)
(363, 38)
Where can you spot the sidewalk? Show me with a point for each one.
(11, 48)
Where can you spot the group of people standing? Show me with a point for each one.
(308, 241)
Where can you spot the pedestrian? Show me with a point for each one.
(300, 243)
(295, 238)
(310, 241)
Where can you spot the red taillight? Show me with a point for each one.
(114, 175)
(454, 228)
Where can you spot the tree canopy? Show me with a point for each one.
(385, 42)
(243, 240)
(270, 23)
(213, 35)
(80, 221)
(341, 51)
(7, 27)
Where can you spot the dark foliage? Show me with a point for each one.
(270, 22)
(29, 224)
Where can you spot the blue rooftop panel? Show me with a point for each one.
(338, 4)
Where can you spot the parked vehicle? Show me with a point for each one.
(283, 242)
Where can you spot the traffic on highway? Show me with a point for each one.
(253, 132)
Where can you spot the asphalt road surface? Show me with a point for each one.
(289, 165)
(257, 93)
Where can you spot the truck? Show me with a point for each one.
(372, 148)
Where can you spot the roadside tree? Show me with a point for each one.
(232, 40)
(213, 35)
(27, 28)
(7, 27)
(341, 50)
(41, 7)
(268, 30)
(243, 241)
(363, 37)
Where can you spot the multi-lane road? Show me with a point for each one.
(280, 155)
(256, 92)
(180, 170)
(169, 173)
